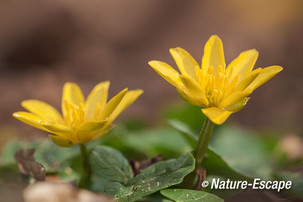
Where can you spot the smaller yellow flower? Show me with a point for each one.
(219, 90)
(82, 121)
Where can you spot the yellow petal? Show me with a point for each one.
(216, 115)
(72, 94)
(185, 62)
(89, 129)
(166, 71)
(98, 95)
(112, 104)
(194, 89)
(89, 126)
(238, 106)
(61, 130)
(103, 132)
(247, 80)
(30, 119)
(266, 74)
(61, 141)
(234, 98)
(213, 54)
(127, 100)
(188, 98)
(243, 64)
(43, 110)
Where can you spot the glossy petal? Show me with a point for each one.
(216, 115)
(127, 100)
(194, 89)
(247, 80)
(243, 64)
(43, 110)
(166, 71)
(82, 120)
(89, 129)
(61, 141)
(225, 90)
(213, 54)
(112, 104)
(234, 98)
(103, 132)
(98, 95)
(61, 130)
(266, 74)
(238, 106)
(72, 94)
(30, 119)
(89, 126)
(185, 62)
(189, 98)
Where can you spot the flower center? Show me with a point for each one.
(216, 84)
(74, 115)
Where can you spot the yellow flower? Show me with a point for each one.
(82, 121)
(219, 90)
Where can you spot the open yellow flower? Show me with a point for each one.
(219, 90)
(82, 121)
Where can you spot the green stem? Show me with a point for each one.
(203, 141)
(86, 169)
(199, 151)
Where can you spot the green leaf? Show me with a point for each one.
(51, 156)
(185, 195)
(216, 168)
(154, 178)
(186, 113)
(134, 124)
(296, 179)
(215, 165)
(110, 164)
(185, 129)
(243, 152)
(148, 143)
(7, 153)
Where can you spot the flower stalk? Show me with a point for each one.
(86, 168)
(203, 141)
(199, 151)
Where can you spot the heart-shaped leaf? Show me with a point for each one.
(154, 178)
(110, 164)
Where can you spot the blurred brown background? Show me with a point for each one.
(44, 44)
